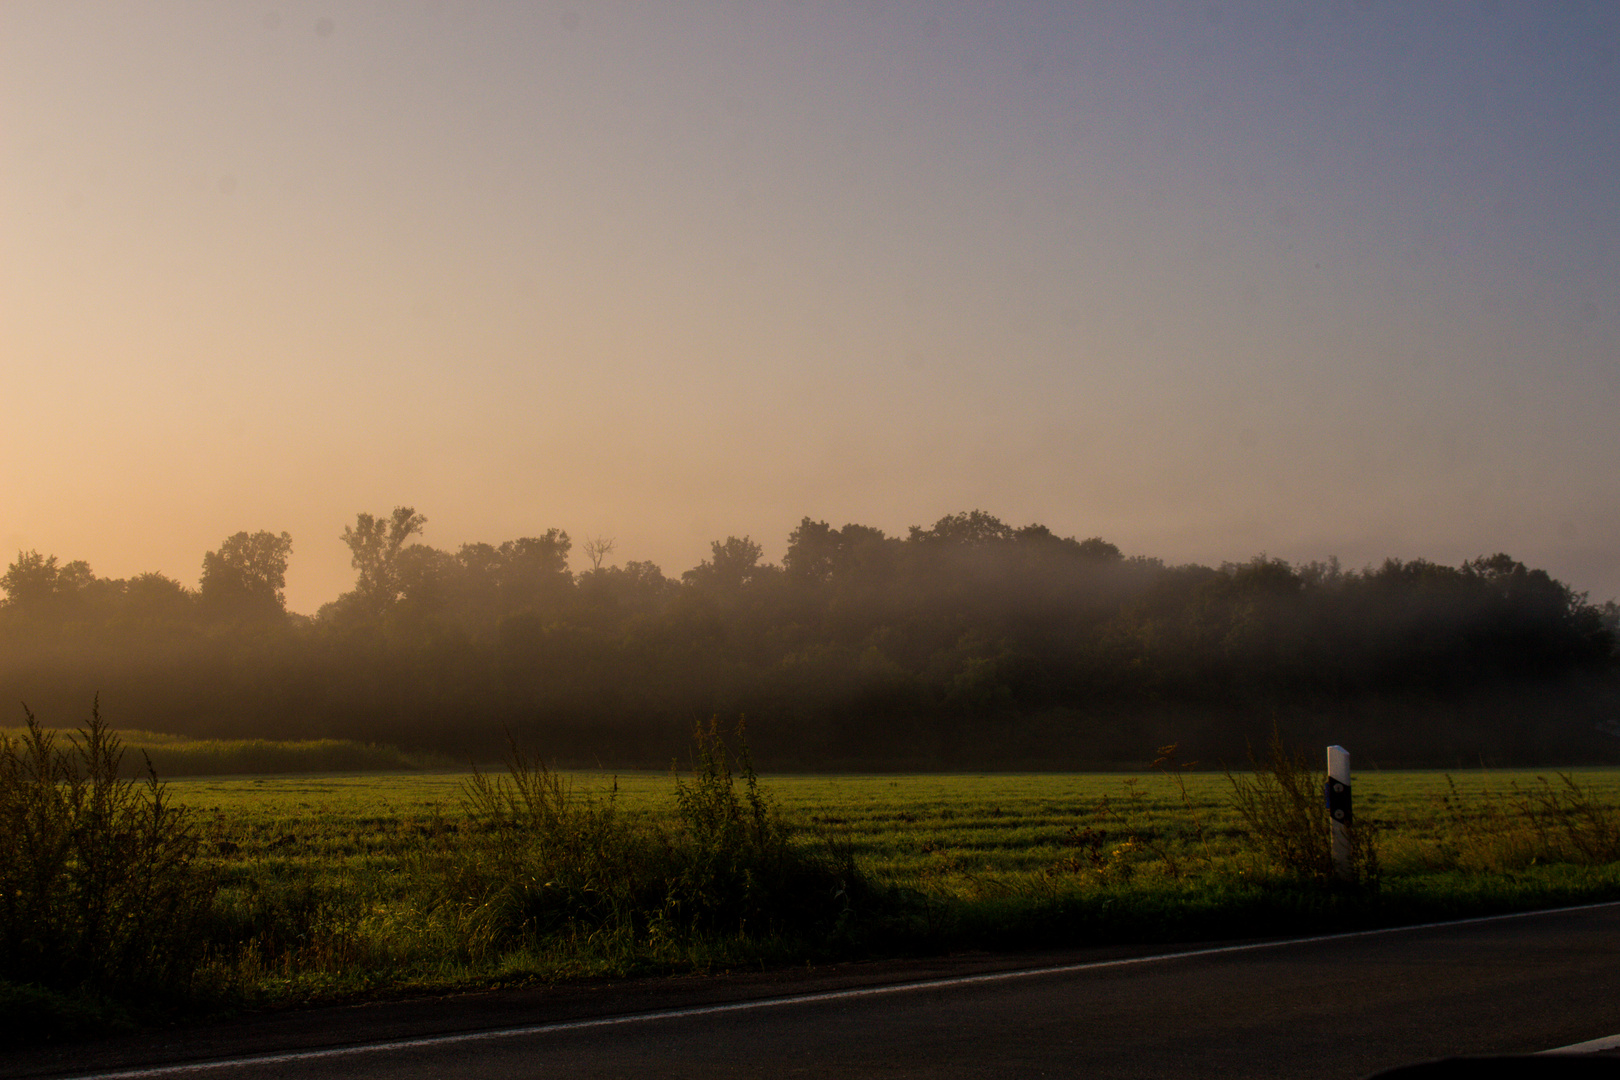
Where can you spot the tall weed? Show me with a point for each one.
(1570, 821)
(100, 887)
(545, 863)
(543, 859)
(741, 869)
(1496, 831)
(1281, 803)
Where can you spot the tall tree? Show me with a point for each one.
(534, 570)
(246, 576)
(735, 562)
(973, 527)
(35, 583)
(31, 580)
(156, 596)
(812, 549)
(374, 544)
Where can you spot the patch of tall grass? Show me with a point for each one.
(545, 865)
(1506, 830)
(102, 894)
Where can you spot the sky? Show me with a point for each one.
(1206, 280)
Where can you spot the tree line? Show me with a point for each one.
(967, 644)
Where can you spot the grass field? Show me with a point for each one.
(907, 828)
(331, 885)
(327, 872)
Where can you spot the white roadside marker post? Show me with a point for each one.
(1338, 805)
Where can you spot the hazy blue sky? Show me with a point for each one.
(1204, 279)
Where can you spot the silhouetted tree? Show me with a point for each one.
(597, 548)
(36, 584)
(154, 596)
(636, 589)
(973, 527)
(374, 546)
(247, 575)
(732, 565)
(430, 581)
(817, 552)
(534, 571)
(811, 552)
(30, 582)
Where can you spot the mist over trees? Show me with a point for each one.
(246, 576)
(967, 644)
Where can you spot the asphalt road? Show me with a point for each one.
(1337, 1007)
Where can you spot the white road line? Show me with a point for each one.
(801, 999)
(1590, 1046)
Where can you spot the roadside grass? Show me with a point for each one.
(104, 902)
(336, 887)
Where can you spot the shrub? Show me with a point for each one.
(100, 889)
(741, 869)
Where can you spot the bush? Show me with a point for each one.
(100, 889)
(740, 867)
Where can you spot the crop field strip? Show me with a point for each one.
(917, 829)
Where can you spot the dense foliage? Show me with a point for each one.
(100, 887)
(967, 644)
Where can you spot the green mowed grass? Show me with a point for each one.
(968, 834)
